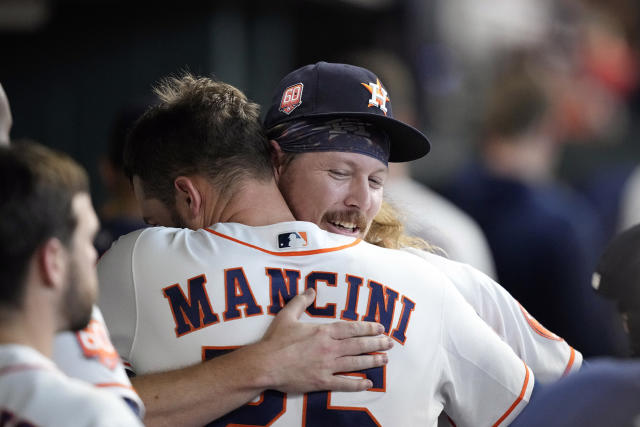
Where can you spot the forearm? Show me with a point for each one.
(199, 394)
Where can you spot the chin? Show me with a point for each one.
(80, 318)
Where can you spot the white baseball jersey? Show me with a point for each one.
(548, 355)
(33, 392)
(90, 356)
(174, 297)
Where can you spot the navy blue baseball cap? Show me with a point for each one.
(327, 90)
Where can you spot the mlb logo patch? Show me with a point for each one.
(292, 240)
(291, 98)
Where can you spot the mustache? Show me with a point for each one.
(352, 216)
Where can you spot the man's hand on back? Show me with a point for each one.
(307, 356)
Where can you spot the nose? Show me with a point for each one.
(359, 195)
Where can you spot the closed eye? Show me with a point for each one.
(376, 182)
(338, 174)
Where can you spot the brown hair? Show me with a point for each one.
(201, 126)
(516, 103)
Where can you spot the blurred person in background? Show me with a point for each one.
(457, 65)
(596, 109)
(87, 354)
(592, 47)
(543, 236)
(49, 285)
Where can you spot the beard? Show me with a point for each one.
(78, 300)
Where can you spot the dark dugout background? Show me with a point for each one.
(69, 66)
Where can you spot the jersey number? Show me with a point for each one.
(317, 410)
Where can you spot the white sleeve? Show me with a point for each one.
(99, 410)
(88, 355)
(485, 383)
(117, 298)
(547, 354)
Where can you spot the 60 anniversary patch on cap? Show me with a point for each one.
(327, 90)
(291, 98)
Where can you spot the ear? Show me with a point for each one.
(52, 263)
(188, 196)
(277, 156)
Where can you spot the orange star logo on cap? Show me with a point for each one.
(379, 96)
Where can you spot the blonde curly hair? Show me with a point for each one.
(387, 231)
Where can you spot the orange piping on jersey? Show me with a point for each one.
(572, 358)
(301, 253)
(128, 387)
(518, 400)
(257, 402)
(304, 410)
(537, 326)
(451, 421)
